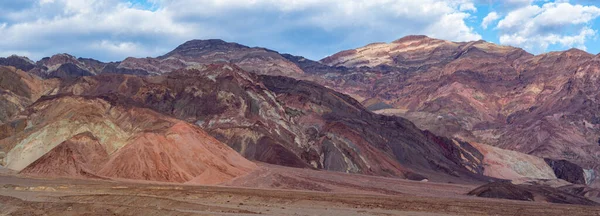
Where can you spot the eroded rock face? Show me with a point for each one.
(512, 165)
(537, 193)
(282, 121)
(474, 91)
(478, 92)
(18, 90)
(227, 102)
(19, 62)
(81, 155)
(252, 59)
(77, 136)
(349, 138)
(567, 171)
(63, 66)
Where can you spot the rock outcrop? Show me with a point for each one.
(537, 193)
(567, 171)
(19, 89)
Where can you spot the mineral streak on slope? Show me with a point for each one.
(352, 139)
(542, 105)
(476, 91)
(254, 59)
(63, 66)
(376, 54)
(323, 129)
(82, 155)
(183, 153)
(506, 164)
(19, 89)
(105, 137)
(227, 102)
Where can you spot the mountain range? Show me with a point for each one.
(211, 111)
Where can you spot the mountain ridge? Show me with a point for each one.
(465, 91)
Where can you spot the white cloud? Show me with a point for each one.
(489, 19)
(467, 7)
(78, 26)
(537, 27)
(114, 29)
(331, 14)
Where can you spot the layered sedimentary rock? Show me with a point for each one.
(349, 138)
(77, 136)
(479, 92)
(19, 89)
(227, 102)
(82, 155)
(282, 121)
(470, 92)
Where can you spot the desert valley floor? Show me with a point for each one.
(333, 194)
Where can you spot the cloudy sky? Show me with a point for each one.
(111, 30)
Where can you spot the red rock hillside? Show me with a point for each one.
(76, 136)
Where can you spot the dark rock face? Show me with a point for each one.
(582, 190)
(112, 68)
(351, 137)
(503, 190)
(21, 63)
(567, 171)
(69, 70)
(538, 193)
(66, 66)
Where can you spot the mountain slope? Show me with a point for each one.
(99, 137)
(476, 92)
(223, 99)
(479, 92)
(263, 121)
(19, 89)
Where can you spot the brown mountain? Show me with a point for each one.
(19, 89)
(465, 91)
(19, 62)
(542, 105)
(302, 125)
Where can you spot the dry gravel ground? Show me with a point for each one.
(34, 196)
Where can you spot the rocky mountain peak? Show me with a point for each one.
(412, 38)
(196, 48)
(19, 62)
(58, 59)
(385, 54)
(23, 58)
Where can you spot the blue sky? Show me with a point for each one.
(110, 30)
